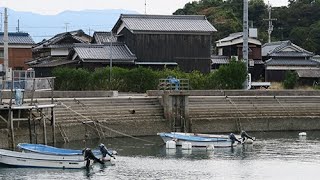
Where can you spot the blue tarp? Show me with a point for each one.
(173, 80)
(44, 149)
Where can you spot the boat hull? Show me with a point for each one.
(198, 140)
(20, 159)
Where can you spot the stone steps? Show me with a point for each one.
(106, 118)
(252, 107)
(109, 110)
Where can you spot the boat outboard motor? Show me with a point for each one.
(88, 155)
(245, 136)
(233, 138)
(104, 151)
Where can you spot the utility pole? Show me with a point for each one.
(110, 55)
(1, 21)
(270, 29)
(66, 25)
(18, 27)
(145, 6)
(6, 45)
(245, 38)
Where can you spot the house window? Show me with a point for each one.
(1, 53)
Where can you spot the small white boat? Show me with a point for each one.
(21, 159)
(198, 140)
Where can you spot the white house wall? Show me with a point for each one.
(59, 52)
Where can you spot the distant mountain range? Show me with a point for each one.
(45, 26)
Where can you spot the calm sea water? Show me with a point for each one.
(272, 156)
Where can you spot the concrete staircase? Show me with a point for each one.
(253, 107)
(108, 109)
(254, 113)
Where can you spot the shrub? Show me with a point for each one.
(230, 76)
(290, 80)
(141, 79)
(71, 79)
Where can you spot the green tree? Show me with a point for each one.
(230, 76)
(290, 80)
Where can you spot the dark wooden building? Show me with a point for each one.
(159, 40)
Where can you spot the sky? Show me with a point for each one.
(52, 7)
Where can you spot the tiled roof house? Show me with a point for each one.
(284, 56)
(20, 49)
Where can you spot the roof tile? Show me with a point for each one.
(18, 38)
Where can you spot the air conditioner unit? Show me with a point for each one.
(235, 58)
(251, 62)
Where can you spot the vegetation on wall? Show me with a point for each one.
(141, 79)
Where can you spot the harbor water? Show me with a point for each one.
(276, 155)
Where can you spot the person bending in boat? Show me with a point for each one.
(88, 155)
(245, 136)
(104, 151)
(233, 139)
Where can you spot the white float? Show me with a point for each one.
(210, 147)
(302, 134)
(171, 144)
(248, 141)
(186, 145)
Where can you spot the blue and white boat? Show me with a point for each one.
(50, 150)
(45, 149)
(198, 140)
(34, 160)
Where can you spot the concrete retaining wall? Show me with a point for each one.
(256, 124)
(243, 93)
(209, 113)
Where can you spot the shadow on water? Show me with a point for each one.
(92, 171)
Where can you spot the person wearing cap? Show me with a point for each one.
(245, 136)
(104, 151)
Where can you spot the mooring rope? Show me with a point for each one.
(105, 127)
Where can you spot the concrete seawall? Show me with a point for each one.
(86, 115)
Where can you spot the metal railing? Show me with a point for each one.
(173, 84)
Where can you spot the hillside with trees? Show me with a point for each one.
(298, 22)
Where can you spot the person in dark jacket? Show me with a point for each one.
(104, 151)
(88, 155)
(233, 139)
(245, 136)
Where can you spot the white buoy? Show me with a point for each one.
(210, 147)
(171, 144)
(302, 134)
(186, 145)
(248, 141)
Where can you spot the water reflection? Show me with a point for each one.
(279, 155)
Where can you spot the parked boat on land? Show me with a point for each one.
(35, 160)
(205, 140)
